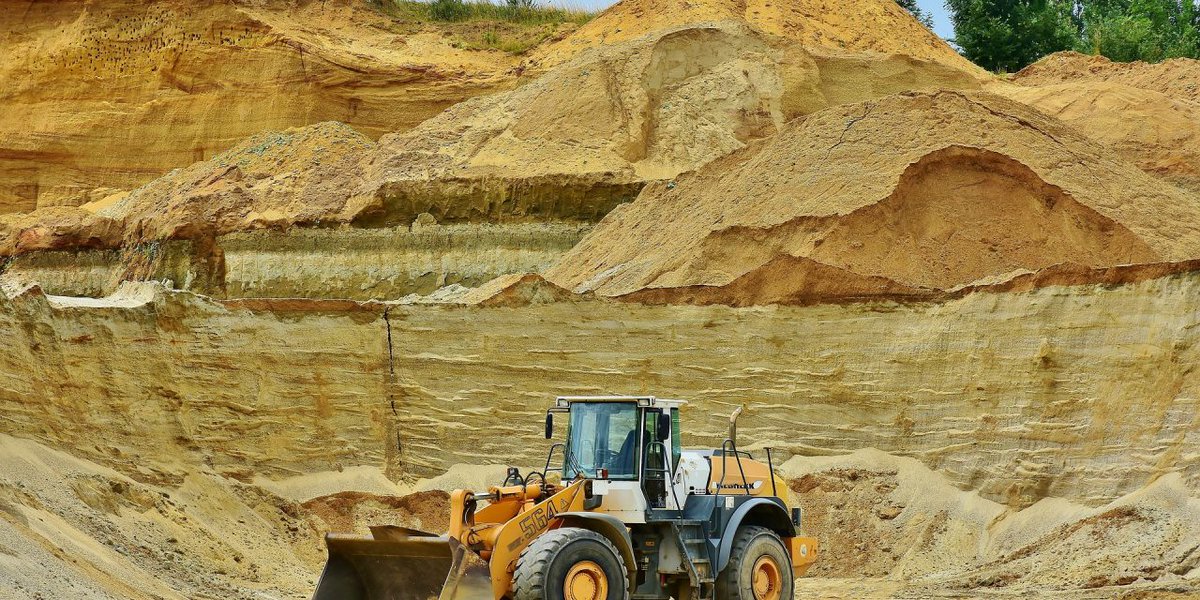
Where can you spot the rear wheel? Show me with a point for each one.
(570, 564)
(758, 569)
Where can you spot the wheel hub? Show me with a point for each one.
(586, 581)
(767, 579)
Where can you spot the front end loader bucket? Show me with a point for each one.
(397, 564)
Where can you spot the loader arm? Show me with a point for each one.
(512, 537)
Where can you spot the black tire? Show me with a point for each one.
(543, 566)
(750, 544)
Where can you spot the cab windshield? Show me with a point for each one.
(603, 435)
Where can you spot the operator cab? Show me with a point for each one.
(630, 446)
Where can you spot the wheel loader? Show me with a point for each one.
(619, 511)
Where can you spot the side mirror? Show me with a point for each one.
(549, 425)
(664, 426)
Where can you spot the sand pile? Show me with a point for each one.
(516, 289)
(877, 26)
(112, 93)
(167, 529)
(355, 512)
(1156, 132)
(913, 192)
(74, 529)
(585, 136)
(1178, 78)
(270, 180)
(886, 516)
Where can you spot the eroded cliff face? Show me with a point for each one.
(182, 81)
(1082, 392)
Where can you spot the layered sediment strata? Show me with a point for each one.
(352, 263)
(1081, 392)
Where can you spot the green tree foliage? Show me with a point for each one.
(922, 16)
(1149, 30)
(1006, 35)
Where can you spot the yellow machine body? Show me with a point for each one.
(474, 562)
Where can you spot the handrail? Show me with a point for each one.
(726, 446)
(550, 457)
(568, 459)
(771, 470)
(665, 472)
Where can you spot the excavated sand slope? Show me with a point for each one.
(1178, 78)
(879, 515)
(586, 135)
(912, 192)
(1148, 114)
(111, 93)
(168, 529)
(878, 26)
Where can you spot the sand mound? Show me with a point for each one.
(518, 289)
(893, 517)
(926, 190)
(73, 529)
(863, 26)
(1178, 78)
(1150, 129)
(270, 180)
(585, 136)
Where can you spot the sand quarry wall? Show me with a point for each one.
(360, 264)
(1083, 392)
(110, 93)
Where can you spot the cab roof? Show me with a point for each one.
(646, 401)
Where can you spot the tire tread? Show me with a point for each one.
(529, 578)
(728, 585)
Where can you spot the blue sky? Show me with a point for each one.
(941, 20)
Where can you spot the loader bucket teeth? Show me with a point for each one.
(394, 566)
(469, 577)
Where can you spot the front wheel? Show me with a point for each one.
(758, 569)
(570, 564)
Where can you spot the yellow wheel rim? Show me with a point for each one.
(767, 579)
(586, 581)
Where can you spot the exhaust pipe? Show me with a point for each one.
(737, 412)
